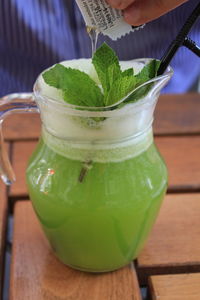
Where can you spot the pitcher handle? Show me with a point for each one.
(12, 103)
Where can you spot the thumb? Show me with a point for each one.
(143, 11)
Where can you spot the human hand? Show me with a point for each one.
(137, 12)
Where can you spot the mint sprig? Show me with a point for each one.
(116, 84)
(79, 88)
(147, 73)
(107, 66)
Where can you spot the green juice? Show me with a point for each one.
(101, 222)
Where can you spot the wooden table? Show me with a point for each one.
(169, 263)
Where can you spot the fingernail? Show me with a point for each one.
(132, 15)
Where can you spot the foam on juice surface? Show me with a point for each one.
(75, 133)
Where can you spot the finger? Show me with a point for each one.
(120, 4)
(143, 11)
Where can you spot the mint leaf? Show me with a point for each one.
(139, 94)
(120, 88)
(107, 66)
(116, 84)
(148, 72)
(128, 72)
(55, 76)
(77, 87)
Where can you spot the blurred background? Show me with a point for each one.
(36, 34)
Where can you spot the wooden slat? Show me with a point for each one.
(21, 153)
(174, 244)
(22, 127)
(181, 155)
(37, 274)
(175, 114)
(3, 221)
(175, 287)
(3, 216)
(178, 114)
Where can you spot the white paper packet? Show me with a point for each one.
(99, 15)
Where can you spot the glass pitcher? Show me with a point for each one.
(96, 179)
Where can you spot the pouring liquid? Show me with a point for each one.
(93, 34)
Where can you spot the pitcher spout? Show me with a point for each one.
(158, 83)
(146, 92)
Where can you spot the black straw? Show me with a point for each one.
(191, 45)
(179, 40)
